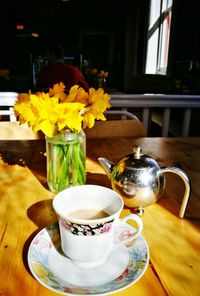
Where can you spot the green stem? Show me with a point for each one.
(64, 177)
(55, 158)
(79, 158)
(66, 164)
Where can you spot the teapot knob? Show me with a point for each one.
(137, 151)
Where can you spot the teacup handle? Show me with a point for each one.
(186, 181)
(124, 232)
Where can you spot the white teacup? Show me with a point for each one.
(88, 218)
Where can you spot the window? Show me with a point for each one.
(158, 36)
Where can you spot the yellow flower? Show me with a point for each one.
(99, 102)
(58, 90)
(88, 120)
(77, 94)
(24, 110)
(47, 112)
(70, 116)
(103, 74)
(57, 110)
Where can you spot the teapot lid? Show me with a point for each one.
(138, 160)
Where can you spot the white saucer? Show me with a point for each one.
(54, 270)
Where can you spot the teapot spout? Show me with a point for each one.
(107, 165)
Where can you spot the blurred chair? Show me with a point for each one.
(123, 114)
(129, 127)
(7, 101)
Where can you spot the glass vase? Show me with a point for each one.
(65, 156)
(102, 82)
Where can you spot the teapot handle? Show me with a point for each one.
(186, 181)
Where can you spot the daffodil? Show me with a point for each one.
(70, 116)
(58, 90)
(77, 94)
(103, 74)
(99, 102)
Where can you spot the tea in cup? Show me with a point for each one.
(89, 219)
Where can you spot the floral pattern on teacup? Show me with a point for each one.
(86, 230)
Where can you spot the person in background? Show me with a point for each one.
(58, 71)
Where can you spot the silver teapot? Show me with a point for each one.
(140, 180)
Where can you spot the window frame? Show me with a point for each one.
(158, 25)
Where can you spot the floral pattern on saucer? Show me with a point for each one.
(87, 230)
(48, 237)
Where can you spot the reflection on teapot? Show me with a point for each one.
(140, 180)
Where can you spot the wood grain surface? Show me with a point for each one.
(26, 208)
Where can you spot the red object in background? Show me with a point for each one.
(20, 27)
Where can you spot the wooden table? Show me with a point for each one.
(174, 243)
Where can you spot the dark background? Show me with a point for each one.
(109, 35)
